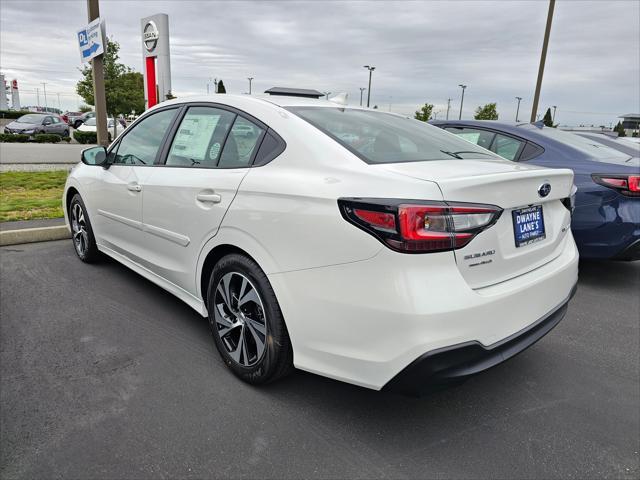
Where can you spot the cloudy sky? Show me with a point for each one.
(422, 50)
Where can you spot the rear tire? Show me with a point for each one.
(66, 133)
(81, 232)
(246, 322)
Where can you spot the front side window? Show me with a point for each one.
(506, 147)
(200, 137)
(379, 137)
(141, 144)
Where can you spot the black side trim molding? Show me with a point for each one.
(446, 366)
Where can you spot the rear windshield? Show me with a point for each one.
(379, 137)
(591, 148)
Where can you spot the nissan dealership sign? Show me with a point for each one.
(155, 53)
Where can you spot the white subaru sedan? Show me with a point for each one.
(356, 244)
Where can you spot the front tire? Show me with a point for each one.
(246, 322)
(81, 232)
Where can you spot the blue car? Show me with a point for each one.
(606, 219)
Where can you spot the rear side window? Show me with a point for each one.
(506, 147)
(241, 144)
(270, 148)
(379, 137)
(482, 138)
(530, 151)
(200, 137)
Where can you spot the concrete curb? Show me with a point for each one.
(32, 235)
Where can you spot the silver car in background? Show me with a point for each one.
(35, 123)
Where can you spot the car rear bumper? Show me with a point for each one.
(365, 322)
(451, 365)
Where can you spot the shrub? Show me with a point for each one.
(85, 137)
(13, 114)
(10, 138)
(66, 139)
(47, 138)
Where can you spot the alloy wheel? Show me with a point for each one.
(79, 230)
(240, 319)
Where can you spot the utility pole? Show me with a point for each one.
(462, 100)
(553, 119)
(97, 65)
(448, 107)
(371, 69)
(215, 84)
(362, 89)
(543, 58)
(518, 109)
(44, 86)
(38, 97)
(250, 80)
(59, 102)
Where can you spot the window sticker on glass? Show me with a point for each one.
(193, 136)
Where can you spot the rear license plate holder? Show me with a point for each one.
(528, 225)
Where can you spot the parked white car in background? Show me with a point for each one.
(353, 243)
(90, 126)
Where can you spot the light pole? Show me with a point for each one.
(448, 107)
(553, 119)
(250, 80)
(462, 100)
(543, 58)
(362, 89)
(518, 109)
(44, 86)
(371, 69)
(326, 94)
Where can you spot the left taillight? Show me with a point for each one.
(412, 226)
(625, 184)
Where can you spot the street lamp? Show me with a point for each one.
(371, 69)
(326, 94)
(362, 89)
(553, 119)
(518, 109)
(250, 80)
(462, 100)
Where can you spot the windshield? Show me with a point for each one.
(378, 137)
(587, 146)
(31, 118)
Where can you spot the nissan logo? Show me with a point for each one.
(544, 189)
(150, 36)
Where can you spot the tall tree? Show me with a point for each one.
(124, 87)
(424, 114)
(487, 112)
(620, 129)
(221, 88)
(548, 119)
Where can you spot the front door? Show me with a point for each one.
(118, 192)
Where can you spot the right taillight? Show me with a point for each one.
(419, 226)
(625, 184)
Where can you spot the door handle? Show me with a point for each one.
(134, 187)
(209, 197)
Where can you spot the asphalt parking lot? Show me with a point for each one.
(103, 375)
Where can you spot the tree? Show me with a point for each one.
(620, 129)
(424, 114)
(547, 119)
(487, 112)
(221, 88)
(85, 108)
(124, 87)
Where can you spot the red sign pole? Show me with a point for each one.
(151, 82)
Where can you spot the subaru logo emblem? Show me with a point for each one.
(544, 189)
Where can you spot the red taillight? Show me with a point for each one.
(626, 184)
(419, 227)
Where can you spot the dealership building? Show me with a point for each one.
(630, 122)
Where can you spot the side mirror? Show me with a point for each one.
(95, 156)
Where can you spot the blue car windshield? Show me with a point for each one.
(379, 137)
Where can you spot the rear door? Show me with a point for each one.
(186, 198)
